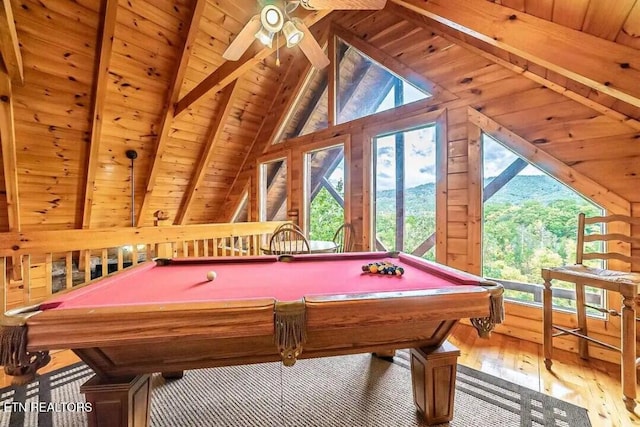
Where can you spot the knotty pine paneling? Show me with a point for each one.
(146, 49)
(52, 115)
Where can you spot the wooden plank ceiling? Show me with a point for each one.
(101, 78)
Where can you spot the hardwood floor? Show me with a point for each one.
(594, 385)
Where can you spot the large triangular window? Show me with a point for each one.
(530, 222)
(365, 87)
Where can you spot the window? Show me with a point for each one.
(324, 192)
(273, 190)
(242, 212)
(404, 191)
(310, 113)
(365, 87)
(530, 222)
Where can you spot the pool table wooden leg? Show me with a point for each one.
(118, 404)
(385, 354)
(173, 375)
(433, 375)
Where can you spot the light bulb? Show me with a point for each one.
(265, 37)
(292, 34)
(271, 18)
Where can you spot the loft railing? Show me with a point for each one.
(36, 264)
(535, 290)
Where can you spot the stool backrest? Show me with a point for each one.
(618, 244)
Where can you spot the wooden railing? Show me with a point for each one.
(592, 298)
(36, 264)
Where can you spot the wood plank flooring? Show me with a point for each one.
(593, 384)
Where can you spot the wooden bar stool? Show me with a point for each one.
(625, 283)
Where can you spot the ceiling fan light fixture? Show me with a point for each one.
(265, 37)
(271, 18)
(292, 34)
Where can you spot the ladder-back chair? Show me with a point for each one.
(344, 238)
(625, 283)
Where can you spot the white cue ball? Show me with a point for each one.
(211, 275)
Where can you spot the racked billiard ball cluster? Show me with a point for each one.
(384, 268)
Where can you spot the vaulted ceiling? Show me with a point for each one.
(86, 81)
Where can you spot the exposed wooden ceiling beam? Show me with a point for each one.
(602, 109)
(168, 114)
(110, 8)
(554, 167)
(393, 64)
(290, 82)
(9, 158)
(229, 95)
(600, 64)
(231, 70)
(9, 46)
(10, 165)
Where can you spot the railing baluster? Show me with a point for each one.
(196, 248)
(48, 273)
(205, 247)
(104, 259)
(26, 279)
(4, 284)
(68, 269)
(134, 255)
(120, 259)
(87, 265)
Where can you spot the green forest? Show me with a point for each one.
(529, 224)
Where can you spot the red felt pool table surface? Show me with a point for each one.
(165, 316)
(185, 280)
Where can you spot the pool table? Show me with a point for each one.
(167, 316)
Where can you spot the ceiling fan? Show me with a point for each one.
(274, 19)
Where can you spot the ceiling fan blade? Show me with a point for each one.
(243, 40)
(343, 4)
(311, 48)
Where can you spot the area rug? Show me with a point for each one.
(352, 391)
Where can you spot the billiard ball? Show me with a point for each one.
(211, 275)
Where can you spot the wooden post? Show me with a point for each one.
(293, 216)
(118, 404)
(165, 249)
(547, 323)
(581, 309)
(628, 348)
(433, 375)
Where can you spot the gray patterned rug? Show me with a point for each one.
(358, 390)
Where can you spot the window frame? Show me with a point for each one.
(339, 141)
(437, 118)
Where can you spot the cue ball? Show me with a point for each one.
(211, 275)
